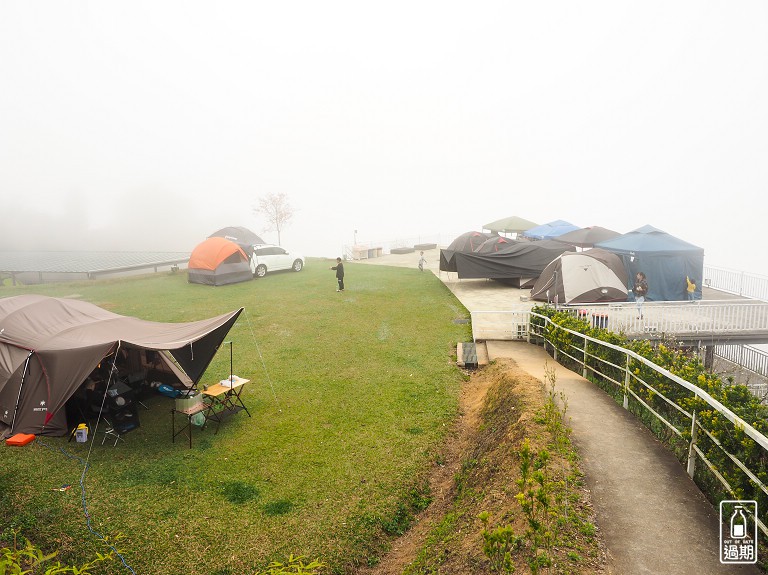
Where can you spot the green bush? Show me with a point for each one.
(30, 559)
(688, 366)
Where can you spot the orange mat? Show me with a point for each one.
(20, 439)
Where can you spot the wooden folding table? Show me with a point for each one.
(223, 399)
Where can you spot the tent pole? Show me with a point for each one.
(230, 359)
(21, 384)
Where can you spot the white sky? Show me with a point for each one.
(150, 124)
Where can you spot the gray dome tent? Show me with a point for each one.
(590, 276)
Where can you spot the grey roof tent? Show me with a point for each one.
(48, 346)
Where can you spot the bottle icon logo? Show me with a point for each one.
(738, 531)
(738, 523)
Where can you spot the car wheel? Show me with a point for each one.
(261, 271)
(297, 266)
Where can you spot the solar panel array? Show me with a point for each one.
(85, 262)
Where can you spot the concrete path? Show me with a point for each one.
(653, 518)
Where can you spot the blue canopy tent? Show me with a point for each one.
(665, 260)
(550, 231)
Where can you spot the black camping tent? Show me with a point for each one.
(519, 263)
(495, 244)
(665, 260)
(466, 242)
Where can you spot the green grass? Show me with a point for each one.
(350, 396)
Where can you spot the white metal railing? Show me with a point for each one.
(746, 356)
(739, 317)
(741, 283)
(584, 354)
(499, 325)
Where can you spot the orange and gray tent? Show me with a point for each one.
(48, 346)
(218, 261)
(590, 276)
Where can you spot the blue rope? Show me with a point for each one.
(85, 465)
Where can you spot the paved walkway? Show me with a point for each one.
(653, 518)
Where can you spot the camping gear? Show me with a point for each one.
(550, 230)
(466, 242)
(81, 433)
(188, 399)
(664, 259)
(168, 390)
(197, 419)
(243, 237)
(494, 245)
(49, 346)
(582, 277)
(518, 264)
(218, 261)
(20, 439)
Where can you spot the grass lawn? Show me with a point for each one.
(350, 396)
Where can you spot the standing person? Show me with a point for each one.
(422, 261)
(640, 289)
(339, 267)
(690, 288)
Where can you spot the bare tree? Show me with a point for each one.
(277, 211)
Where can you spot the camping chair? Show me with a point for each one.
(119, 412)
(138, 382)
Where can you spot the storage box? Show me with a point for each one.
(185, 402)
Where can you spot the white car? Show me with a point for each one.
(271, 258)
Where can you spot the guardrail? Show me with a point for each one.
(744, 318)
(499, 325)
(741, 283)
(746, 356)
(629, 376)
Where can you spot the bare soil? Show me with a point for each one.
(478, 472)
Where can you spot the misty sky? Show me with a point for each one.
(148, 125)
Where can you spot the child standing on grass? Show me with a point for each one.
(339, 267)
(422, 261)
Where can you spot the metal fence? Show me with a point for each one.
(631, 377)
(499, 325)
(751, 358)
(740, 283)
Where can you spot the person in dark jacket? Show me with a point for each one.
(339, 267)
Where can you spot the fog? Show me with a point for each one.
(149, 125)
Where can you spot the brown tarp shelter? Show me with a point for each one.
(48, 346)
(218, 261)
